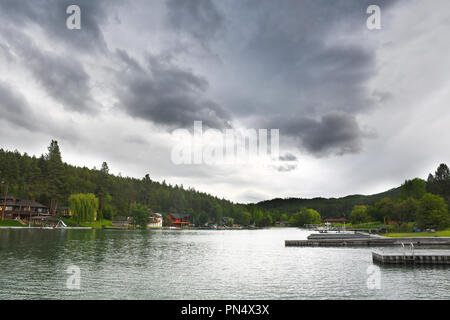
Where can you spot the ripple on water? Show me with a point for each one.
(200, 264)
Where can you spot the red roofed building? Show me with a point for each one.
(179, 219)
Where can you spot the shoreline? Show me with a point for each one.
(46, 228)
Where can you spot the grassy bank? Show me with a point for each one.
(10, 223)
(443, 233)
(93, 225)
(367, 225)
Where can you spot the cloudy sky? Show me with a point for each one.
(358, 110)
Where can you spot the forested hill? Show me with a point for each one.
(329, 208)
(51, 181)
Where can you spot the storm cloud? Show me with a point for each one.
(64, 79)
(201, 19)
(343, 97)
(15, 108)
(166, 94)
(50, 17)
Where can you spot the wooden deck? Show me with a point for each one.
(407, 256)
(359, 239)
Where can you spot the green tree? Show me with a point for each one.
(218, 214)
(414, 188)
(83, 207)
(257, 216)
(244, 218)
(284, 217)
(266, 220)
(406, 210)
(109, 211)
(359, 214)
(140, 215)
(432, 212)
(56, 186)
(440, 183)
(305, 216)
(385, 209)
(203, 218)
(102, 186)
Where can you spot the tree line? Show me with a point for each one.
(54, 183)
(423, 202)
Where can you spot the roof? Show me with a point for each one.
(14, 201)
(180, 215)
(31, 203)
(156, 214)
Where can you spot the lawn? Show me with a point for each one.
(10, 223)
(367, 225)
(443, 233)
(93, 225)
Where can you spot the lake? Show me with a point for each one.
(200, 264)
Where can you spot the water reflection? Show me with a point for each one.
(201, 264)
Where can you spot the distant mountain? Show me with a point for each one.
(328, 207)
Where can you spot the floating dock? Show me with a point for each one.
(360, 239)
(440, 257)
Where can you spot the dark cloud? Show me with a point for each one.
(309, 59)
(334, 133)
(63, 79)
(15, 108)
(294, 46)
(51, 16)
(199, 18)
(61, 73)
(166, 94)
(288, 47)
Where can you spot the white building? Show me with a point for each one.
(156, 220)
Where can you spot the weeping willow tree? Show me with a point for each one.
(84, 207)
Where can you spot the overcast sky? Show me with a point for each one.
(359, 110)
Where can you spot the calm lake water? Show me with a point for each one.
(199, 264)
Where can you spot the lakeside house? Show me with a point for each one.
(178, 219)
(123, 222)
(12, 207)
(156, 220)
(63, 212)
(227, 220)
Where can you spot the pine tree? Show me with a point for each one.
(56, 185)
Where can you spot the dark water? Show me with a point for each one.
(241, 264)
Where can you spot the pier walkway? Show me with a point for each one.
(364, 239)
(441, 257)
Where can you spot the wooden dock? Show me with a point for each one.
(364, 240)
(435, 257)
